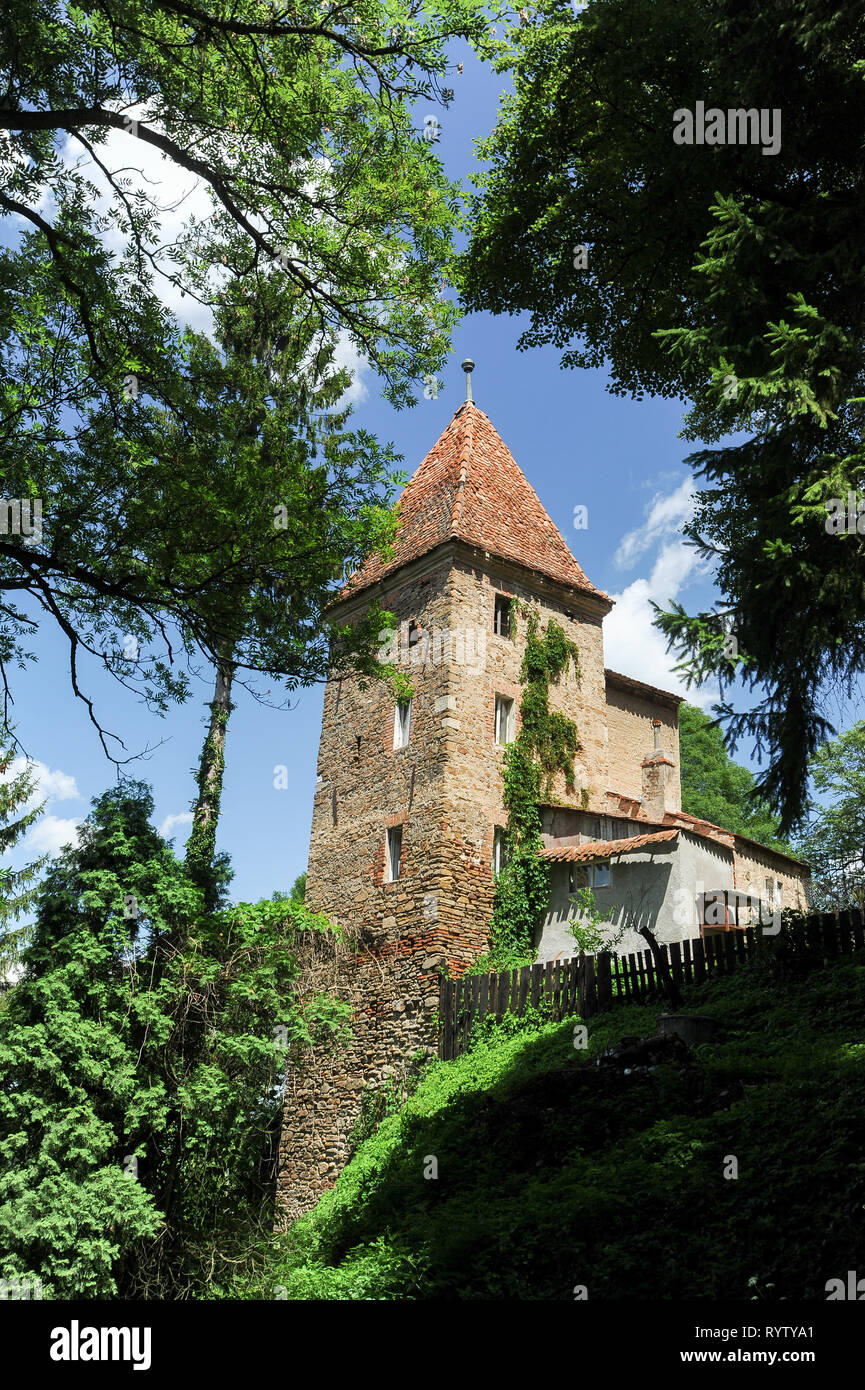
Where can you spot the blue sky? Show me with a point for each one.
(577, 444)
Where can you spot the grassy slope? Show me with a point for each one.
(553, 1172)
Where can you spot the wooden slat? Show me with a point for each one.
(567, 986)
(467, 1010)
(730, 951)
(548, 981)
(455, 1024)
(676, 964)
(443, 1017)
(475, 996)
(645, 973)
(616, 974)
(687, 962)
(858, 929)
(698, 952)
(591, 988)
(537, 972)
(503, 991)
(633, 982)
(525, 980)
(667, 965)
(624, 976)
(484, 996)
(655, 968)
(604, 981)
(714, 955)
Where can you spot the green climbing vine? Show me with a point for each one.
(546, 745)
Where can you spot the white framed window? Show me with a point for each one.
(504, 719)
(402, 724)
(500, 850)
(599, 875)
(394, 852)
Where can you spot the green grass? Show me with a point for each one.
(553, 1172)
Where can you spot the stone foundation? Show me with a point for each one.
(390, 977)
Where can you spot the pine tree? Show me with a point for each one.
(18, 887)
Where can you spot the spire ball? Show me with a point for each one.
(468, 367)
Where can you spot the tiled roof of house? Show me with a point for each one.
(705, 829)
(469, 487)
(728, 837)
(603, 849)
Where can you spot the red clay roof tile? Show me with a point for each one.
(469, 487)
(603, 849)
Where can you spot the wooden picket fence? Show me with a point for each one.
(586, 985)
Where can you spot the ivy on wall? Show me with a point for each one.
(546, 745)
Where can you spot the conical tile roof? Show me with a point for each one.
(469, 487)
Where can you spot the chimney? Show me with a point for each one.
(654, 769)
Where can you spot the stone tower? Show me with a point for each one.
(408, 800)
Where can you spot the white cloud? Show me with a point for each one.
(50, 783)
(55, 785)
(167, 826)
(665, 515)
(632, 645)
(50, 834)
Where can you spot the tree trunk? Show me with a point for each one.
(201, 845)
(665, 975)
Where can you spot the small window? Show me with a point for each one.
(394, 852)
(599, 875)
(578, 877)
(500, 850)
(402, 724)
(504, 719)
(502, 616)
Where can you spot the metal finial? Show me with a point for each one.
(468, 367)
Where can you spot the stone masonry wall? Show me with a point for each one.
(475, 777)
(753, 865)
(631, 739)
